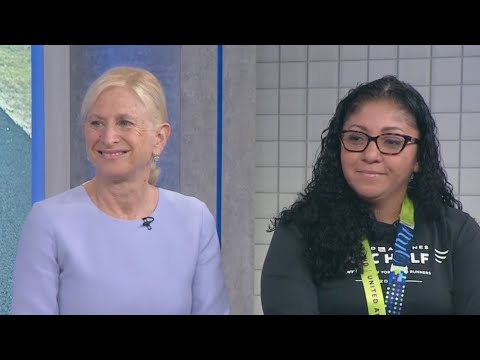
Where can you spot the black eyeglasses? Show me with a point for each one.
(388, 144)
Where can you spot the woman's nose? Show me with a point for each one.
(371, 153)
(109, 135)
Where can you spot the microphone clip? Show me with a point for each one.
(147, 221)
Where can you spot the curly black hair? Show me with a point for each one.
(330, 216)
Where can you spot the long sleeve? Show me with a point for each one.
(209, 294)
(466, 269)
(286, 283)
(36, 272)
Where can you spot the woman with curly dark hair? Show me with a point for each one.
(377, 229)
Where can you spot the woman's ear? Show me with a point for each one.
(161, 137)
(416, 168)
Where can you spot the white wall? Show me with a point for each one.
(298, 87)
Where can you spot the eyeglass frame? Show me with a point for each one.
(409, 140)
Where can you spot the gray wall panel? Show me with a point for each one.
(238, 207)
(198, 149)
(57, 118)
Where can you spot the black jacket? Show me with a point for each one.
(443, 278)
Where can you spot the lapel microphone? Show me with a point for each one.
(147, 221)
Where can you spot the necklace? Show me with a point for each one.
(141, 213)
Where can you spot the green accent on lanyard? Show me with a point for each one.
(406, 214)
(370, 280)
(371, 284)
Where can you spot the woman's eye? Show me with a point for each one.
(95, 123)
(124, 123)
(355, 138)
(393, 141)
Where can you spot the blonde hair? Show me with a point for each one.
(144, 84)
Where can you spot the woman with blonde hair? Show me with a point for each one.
(118, 244)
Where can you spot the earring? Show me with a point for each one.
(156, 158)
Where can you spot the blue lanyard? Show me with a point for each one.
(399, 269)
